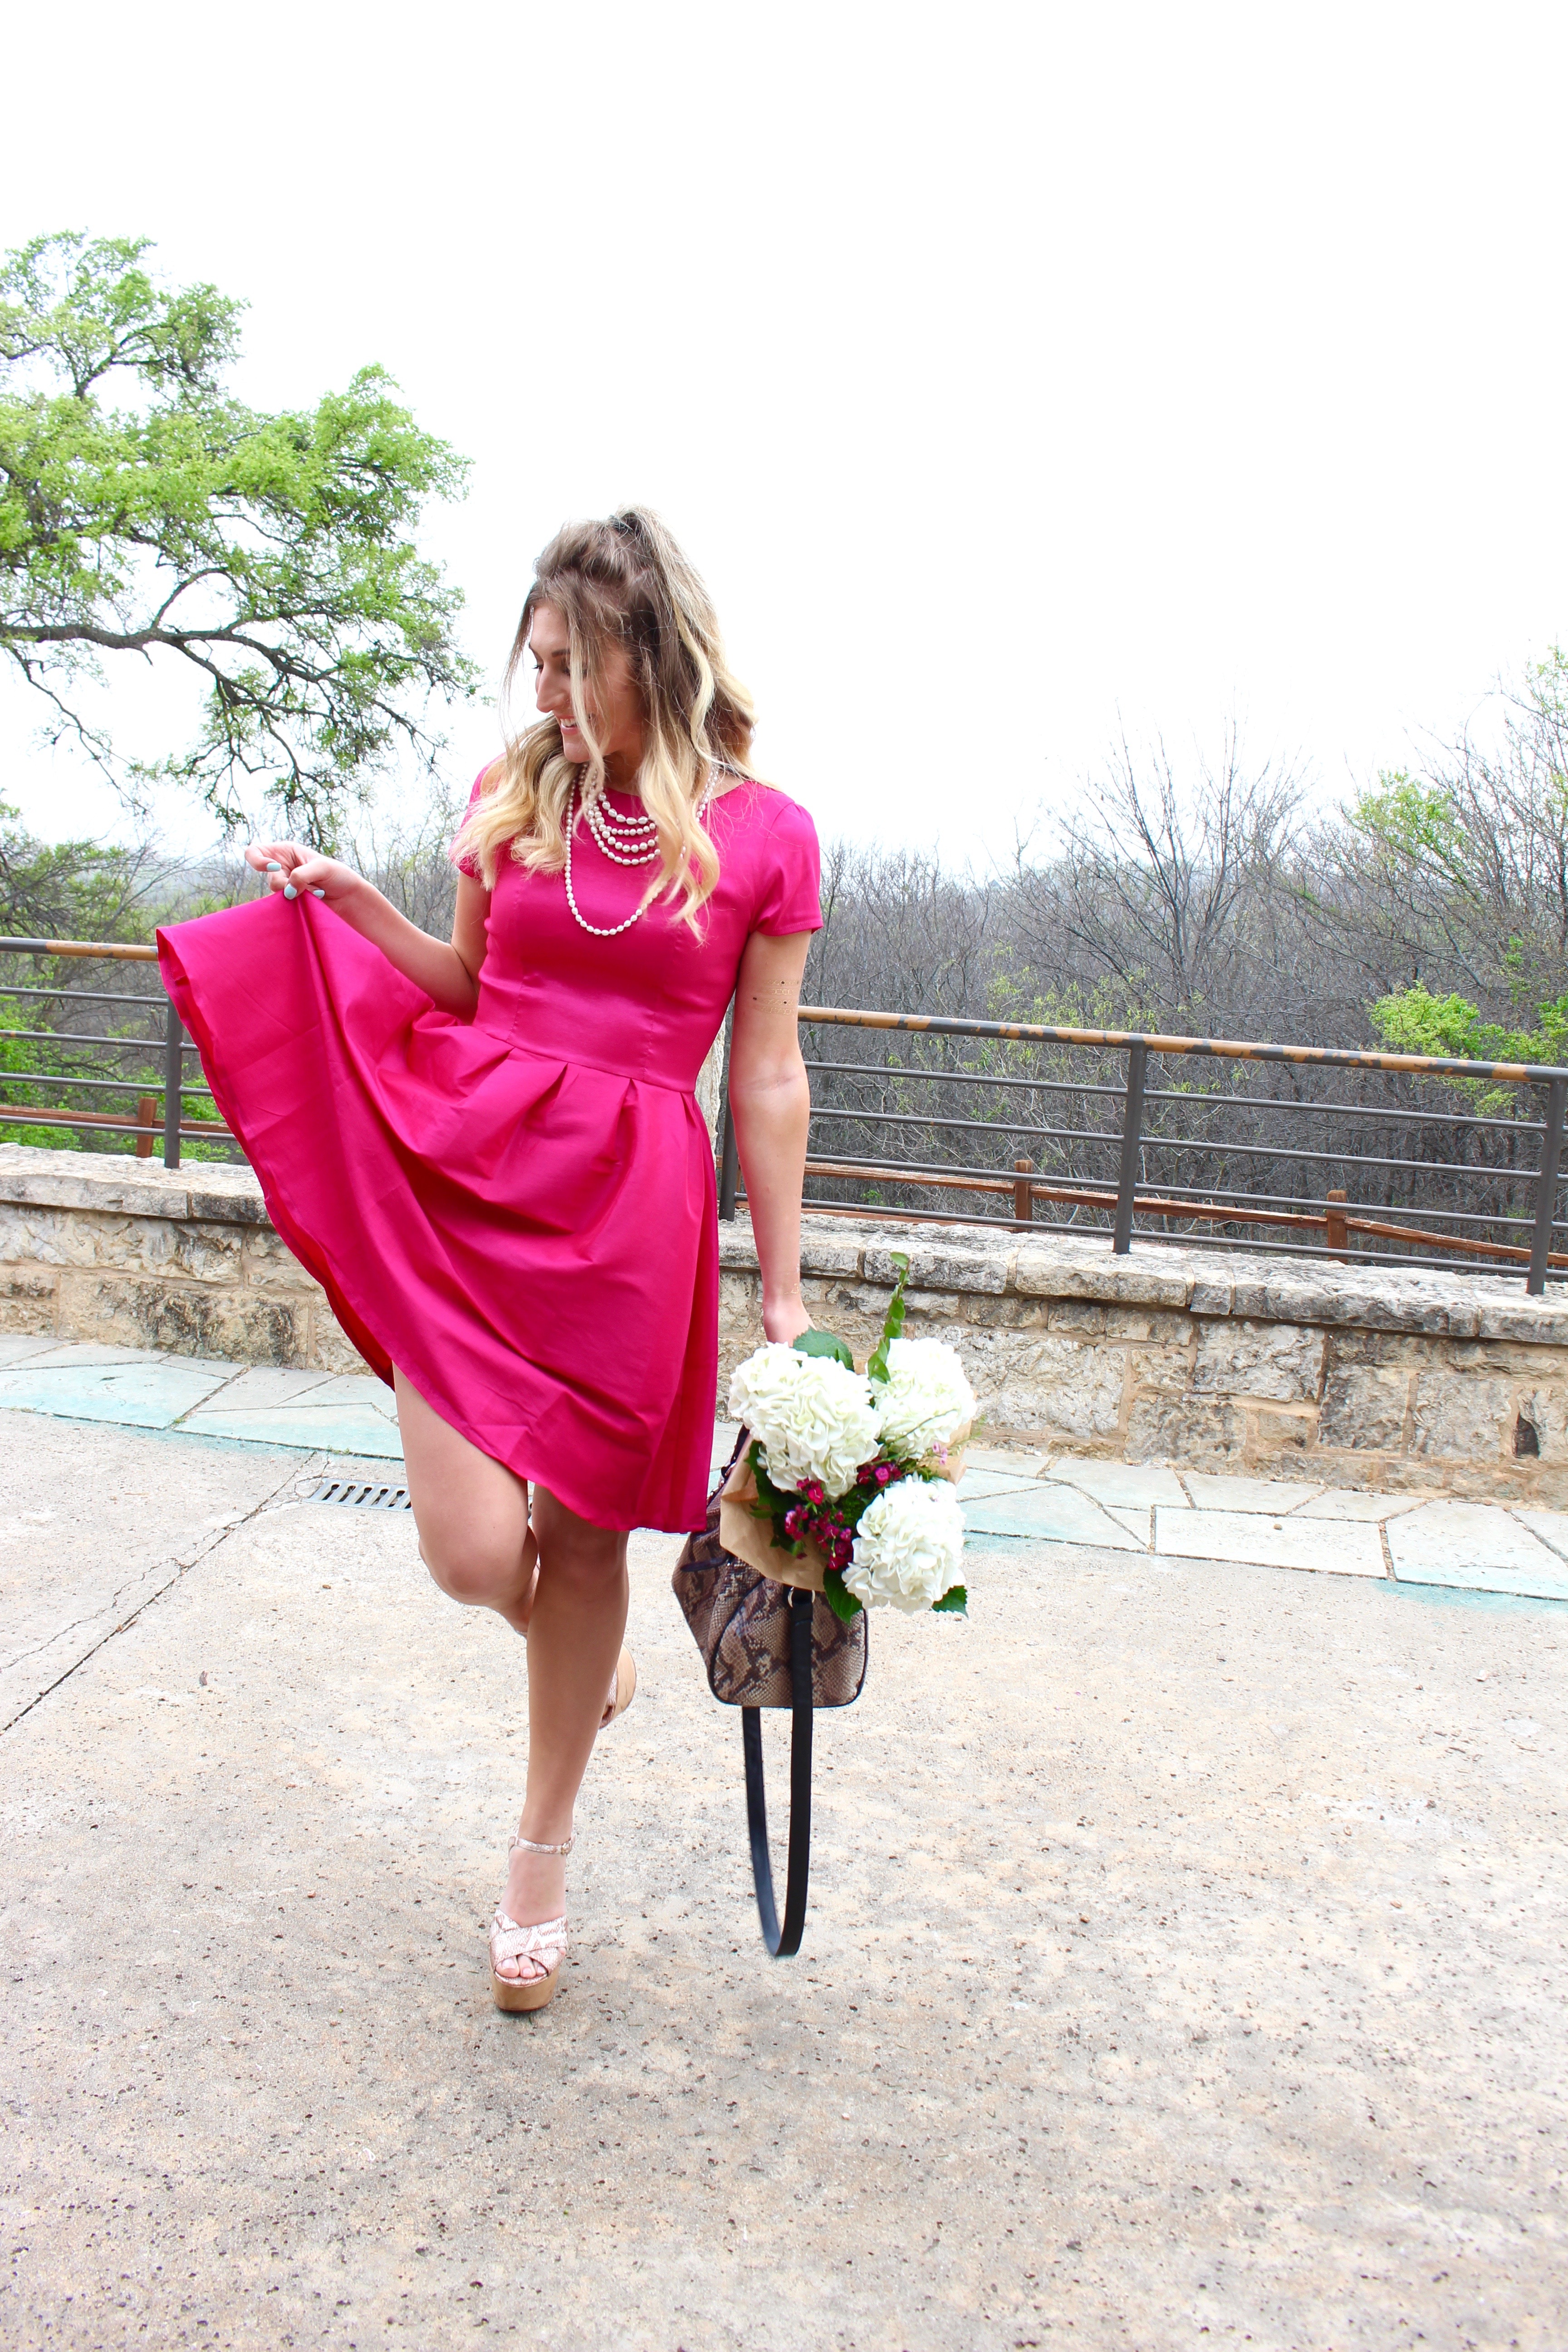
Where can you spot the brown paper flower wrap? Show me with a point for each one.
(741, 1530)
(751, 1539)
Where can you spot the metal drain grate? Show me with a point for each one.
(362, 1495)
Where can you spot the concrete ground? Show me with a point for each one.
(1185, 1956)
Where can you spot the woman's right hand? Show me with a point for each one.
(288, 867)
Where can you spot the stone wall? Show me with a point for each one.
(1277, 1366)
(102, 1247)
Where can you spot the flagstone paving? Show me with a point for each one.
(122, 1384)
(1270, 1522)
(1009, 1496)
(1257, 1539)
(315, 1412)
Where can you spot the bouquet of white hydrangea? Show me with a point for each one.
(908, 1546)
(924, 1403)
(813, 1416)
(845, 1486)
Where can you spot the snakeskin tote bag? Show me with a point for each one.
(767, 1644)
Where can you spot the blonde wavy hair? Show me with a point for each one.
(623, 583)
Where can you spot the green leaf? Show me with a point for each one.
(839, 1598)
(954, 1602)
(771, 1504)
(892, 1322)
(824, 1343)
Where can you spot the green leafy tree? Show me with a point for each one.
(1412, 1021)
(71, 890)
(78, 890)
(145, 511)
(1463, 872)
(1468, 868)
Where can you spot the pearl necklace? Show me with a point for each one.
(624, 840)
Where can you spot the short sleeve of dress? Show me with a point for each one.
(789, 876)
(471, 864)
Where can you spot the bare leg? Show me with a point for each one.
(473, 1519)
(574, 1639)
(471, 1513)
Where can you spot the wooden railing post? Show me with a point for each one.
(1546, 1187)
(147, 1124)
(1334, 1230)
(1131, 1131)
(1023, 1194)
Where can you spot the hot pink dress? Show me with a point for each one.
(517, 1211)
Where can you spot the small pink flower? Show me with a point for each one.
(884, 1473)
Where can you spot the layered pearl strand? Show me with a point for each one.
(625, 841)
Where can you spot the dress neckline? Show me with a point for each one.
(635, 800)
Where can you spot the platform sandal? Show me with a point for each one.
(624, 1691)
(544, 1942)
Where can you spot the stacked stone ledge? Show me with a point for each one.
(1363, 1377)
(107, 1248)
(1358, 1377)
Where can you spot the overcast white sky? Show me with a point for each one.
(1004, 367)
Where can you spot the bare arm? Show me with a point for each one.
(449, 975)
(770, 1098)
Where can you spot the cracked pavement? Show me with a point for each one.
(94, 1524)
(1185, 1961)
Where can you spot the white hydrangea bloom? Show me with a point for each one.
(926, 1399)
(908, 1546)
(814, 1416)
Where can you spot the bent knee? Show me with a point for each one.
(484, 1576)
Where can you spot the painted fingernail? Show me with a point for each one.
(315, 893)
(273, 867)
(289, 891)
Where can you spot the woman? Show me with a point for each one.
(491, 1154)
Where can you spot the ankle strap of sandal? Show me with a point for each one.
(527, 1845)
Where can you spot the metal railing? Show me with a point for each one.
(1118, 1164)
(160, 1100)
(1516, 1163)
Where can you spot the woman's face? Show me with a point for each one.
(616, 709)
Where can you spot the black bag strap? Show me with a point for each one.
(783, 1942)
